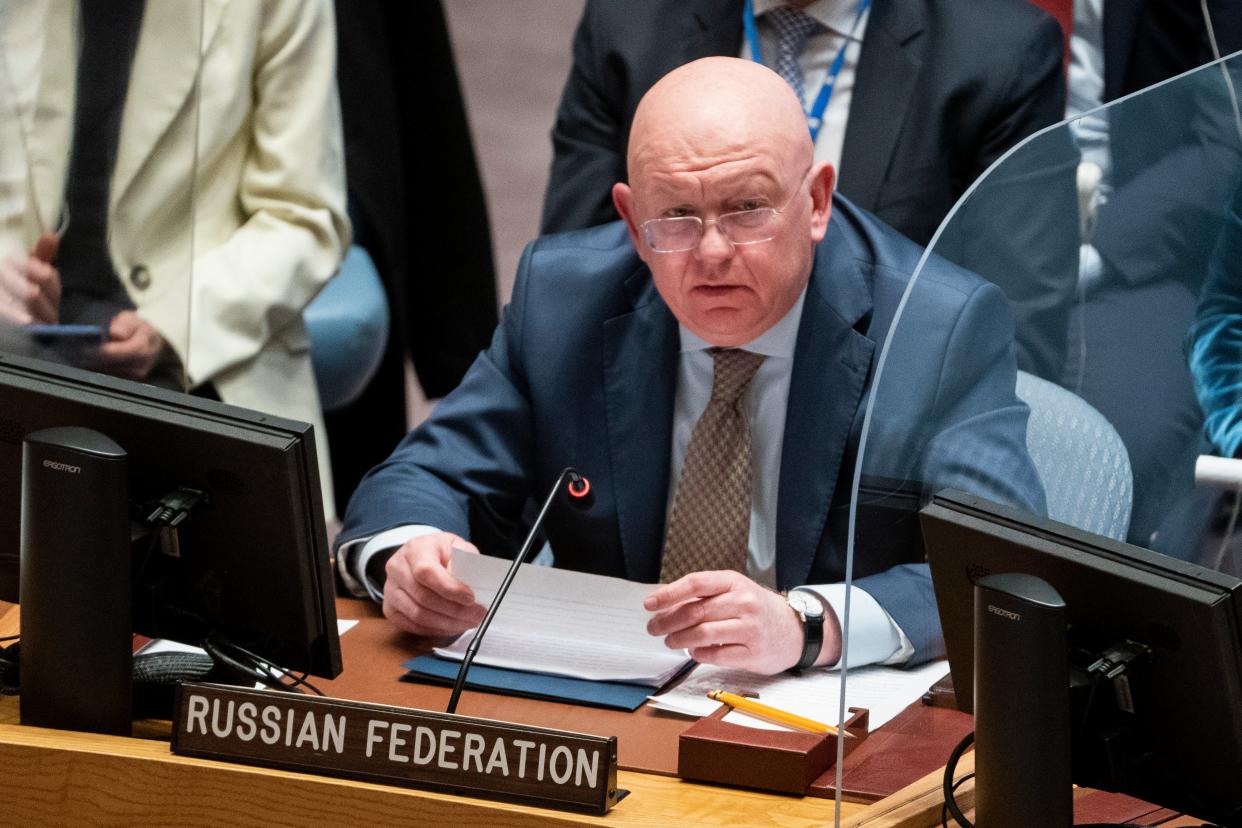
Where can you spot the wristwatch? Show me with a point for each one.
(810, 610)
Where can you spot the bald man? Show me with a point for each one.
(731, 241)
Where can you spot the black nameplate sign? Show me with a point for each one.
(398, 745)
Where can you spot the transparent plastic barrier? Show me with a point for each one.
(1068, 346)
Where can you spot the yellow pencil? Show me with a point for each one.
(771, 713)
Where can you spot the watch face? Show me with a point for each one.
(808, 605)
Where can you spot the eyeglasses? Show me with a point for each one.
(681, 233)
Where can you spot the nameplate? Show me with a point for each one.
(398, 745)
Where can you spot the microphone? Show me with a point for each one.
(578, 489)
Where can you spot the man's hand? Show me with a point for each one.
(725, 618)
(30, 289)
(133, 347)
(421, 596)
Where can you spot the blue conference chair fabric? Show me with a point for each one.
(1080, 458)
(348, 327)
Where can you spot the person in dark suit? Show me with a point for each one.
(732, 246)
(939, 92)
(397, 76)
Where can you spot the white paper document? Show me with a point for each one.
(815, 694)
(565, 623)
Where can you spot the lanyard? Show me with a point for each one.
(814, 117)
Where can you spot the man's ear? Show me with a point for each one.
(823, 176)
(623, 200)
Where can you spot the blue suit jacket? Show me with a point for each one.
(582, 372)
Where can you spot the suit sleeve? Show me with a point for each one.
(1034, 96)
(972, 435)
(588, 140)
(470, 463)
(254, 284)
(1018, 228)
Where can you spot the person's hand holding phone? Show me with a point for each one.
(133, 348)
(30, 287)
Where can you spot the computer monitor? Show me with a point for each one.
(250, 566)
(1181, 746)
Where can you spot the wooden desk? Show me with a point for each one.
(56, 777)
(60, 777)
(914, 744)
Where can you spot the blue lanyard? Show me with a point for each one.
(815, 117)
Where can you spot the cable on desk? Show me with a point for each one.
(238, 658)
(950, 788)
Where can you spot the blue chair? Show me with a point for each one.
(348, 327)
(1080, 458)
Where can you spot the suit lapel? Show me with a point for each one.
(51, 128)
(166, 66)
(888, 68)
(640, 379)
(830, 370)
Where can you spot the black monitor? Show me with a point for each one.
(1181, 746)
(250, 563)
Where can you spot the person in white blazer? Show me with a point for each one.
(226, 208)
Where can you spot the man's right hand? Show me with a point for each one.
(421, 595)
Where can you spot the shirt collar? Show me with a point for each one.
(776, 341)
(837, 15)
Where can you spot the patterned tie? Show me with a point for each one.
(710, 522)
(793, 27)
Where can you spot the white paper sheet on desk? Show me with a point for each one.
(815, 694)
(565, 622)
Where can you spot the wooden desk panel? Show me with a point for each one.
(54, 777)
(912, 745)
(58, 777)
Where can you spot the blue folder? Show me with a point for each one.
(610, 694)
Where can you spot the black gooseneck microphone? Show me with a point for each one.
(579, 490)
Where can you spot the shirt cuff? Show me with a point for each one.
(874, 637)
(389, 539)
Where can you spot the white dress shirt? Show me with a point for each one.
(838, 17)
(873, 635)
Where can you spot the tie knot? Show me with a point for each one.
(793, 27)
(734, 370)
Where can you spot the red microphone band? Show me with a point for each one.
(579, 487)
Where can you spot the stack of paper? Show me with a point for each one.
(566, 623)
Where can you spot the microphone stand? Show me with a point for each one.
(579, 490)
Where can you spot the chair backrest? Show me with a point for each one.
(1080, 459)
(348, 327)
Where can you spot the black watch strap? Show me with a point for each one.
(813, 638)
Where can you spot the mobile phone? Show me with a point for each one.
(67, 334)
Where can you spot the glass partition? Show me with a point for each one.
(1070, 345)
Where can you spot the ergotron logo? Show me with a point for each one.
(1004, 613)
(64, 467)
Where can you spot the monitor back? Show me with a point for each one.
(252, 562)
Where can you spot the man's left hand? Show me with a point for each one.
(133, 347)
(725, 618)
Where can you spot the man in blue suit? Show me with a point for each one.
(731, 247)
